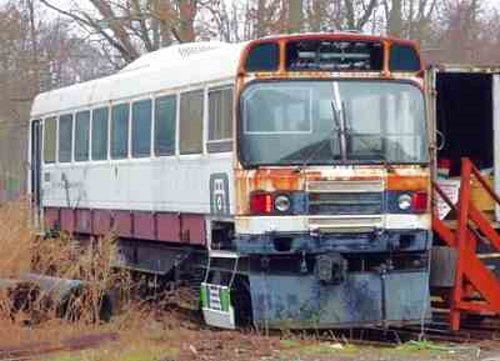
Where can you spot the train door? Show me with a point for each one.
(36, 168)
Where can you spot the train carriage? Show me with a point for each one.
(286, 178)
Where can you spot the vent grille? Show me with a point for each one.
(346, 197)
(345, 203)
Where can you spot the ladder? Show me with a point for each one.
(476, 288)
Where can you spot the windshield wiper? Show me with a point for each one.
(341, 127)
(327, 140)
(349, 132)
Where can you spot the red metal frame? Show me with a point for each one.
(472, 277)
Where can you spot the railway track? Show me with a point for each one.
(31, 350)
(438, 332)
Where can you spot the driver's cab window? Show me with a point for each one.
(279, 111)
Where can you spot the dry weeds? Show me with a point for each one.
(16, 239)
(42, 318)
(25, 299)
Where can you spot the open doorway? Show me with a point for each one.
(465, 119)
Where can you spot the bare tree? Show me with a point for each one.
(130, 28)
(317, 14)
(295, 16)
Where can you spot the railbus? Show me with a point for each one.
(286, 178)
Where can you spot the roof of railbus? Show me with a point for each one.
(347, 35)
(169, 68)
(166, 69)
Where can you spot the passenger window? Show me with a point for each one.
(82, 133)
(49, 140)
(119, 131)
(65, 137)
(191, 123)
(165, 115)
(220, 115)
(100, 134)
(141, 128)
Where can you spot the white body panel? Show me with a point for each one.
(165, 184)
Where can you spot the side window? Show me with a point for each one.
(141, 128)
(82, 136)
(165, 115)
(49, 140)
(119, 131)
(404, 58)
(263, 57)
(220, 116)
(191, 123)
(100, 134)
(65, 137)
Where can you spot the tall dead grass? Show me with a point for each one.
(16, 239)
(40, 315)
(63, 258)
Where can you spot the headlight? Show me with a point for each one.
(404, 202)
(282, 203)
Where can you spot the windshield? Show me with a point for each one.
(332, 122)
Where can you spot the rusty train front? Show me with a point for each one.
(332, 178)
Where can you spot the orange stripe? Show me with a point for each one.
(400, 183)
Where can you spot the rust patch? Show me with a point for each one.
(269, 180)
(290, 179)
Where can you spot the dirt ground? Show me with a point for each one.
(170, 337)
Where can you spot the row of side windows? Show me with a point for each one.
(91, 128)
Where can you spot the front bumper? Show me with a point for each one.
(274, 243)
(363, 299)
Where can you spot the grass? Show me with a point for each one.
(311, 347)
(409, 350)
(135, 351)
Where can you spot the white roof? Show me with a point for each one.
(172, 67)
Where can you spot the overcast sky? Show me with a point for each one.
(59, 2)
(65, 3)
